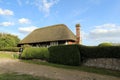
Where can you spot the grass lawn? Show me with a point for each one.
(14, 76)
(5, 55)
(11, 55)
(80, 68)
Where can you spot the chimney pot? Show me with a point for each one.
(77, 25)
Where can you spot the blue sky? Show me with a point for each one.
(99, 19)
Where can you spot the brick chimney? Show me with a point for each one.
(77, 33)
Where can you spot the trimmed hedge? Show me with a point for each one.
(71, 54)
(100, 52)
(65, 54)
(12, 49)
(35, 53)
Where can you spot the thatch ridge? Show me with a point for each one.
(50, 33)
(50, 26)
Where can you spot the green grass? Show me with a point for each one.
(9, 55)
(6, 55)
(79, 68)
(14, 76)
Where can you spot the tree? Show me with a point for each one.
(8, 40)
(105, 44)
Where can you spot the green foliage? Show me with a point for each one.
(100, 52)
(8, 40)
(26, 46)
(15, 56)
(16, 76)
(105, 44)
(65, 54)
(71, 54)
(13, 49)
(35, 53)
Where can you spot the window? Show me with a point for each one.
(53, 43)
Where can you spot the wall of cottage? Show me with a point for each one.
(107, 63)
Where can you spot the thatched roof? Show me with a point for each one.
(51, 33)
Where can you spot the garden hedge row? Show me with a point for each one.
(71, 54)
(35, 53)
(12, 49)
(99, 52)
(65, 54)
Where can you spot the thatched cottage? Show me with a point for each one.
(52, 35)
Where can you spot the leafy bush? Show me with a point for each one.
(14, 49)
(8, 40)
(35, 53)
(65, 54)
(105, 44)
(100, 52)
(26, 46)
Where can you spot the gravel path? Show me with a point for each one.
(9, 65)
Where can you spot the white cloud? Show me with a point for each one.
(45, 5)
(6, 24)
(106, 26)
(27, 29)
(105, 33)
(24, 21)
(6, 12)
(83, 35)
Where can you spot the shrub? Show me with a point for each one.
(8, 40)
(35, 53)
(14, 49)
(65, 54)
(105, 44)
(26, 46)
(100, 52)
(15, 56)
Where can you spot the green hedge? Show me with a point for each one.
(35, 53)
(65, 54)
(13, 49)
(71, 54)
(100, 52)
